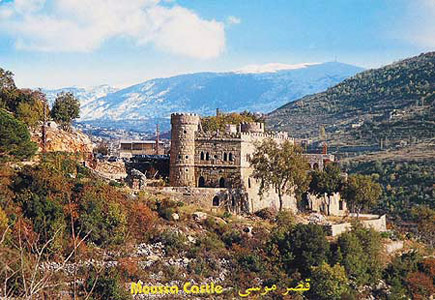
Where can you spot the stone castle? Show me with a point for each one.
(215, 167)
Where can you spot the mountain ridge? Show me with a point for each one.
(395, 102)
(203, 92)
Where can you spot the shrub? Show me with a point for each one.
(15, 143)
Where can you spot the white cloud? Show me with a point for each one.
(232, 20)
(83, 25)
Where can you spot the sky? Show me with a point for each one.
(60, 43)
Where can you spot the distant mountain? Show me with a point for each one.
(256, 88)
(85, 95)
(393, 104)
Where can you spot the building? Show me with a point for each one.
(219, 162)
(128, 149)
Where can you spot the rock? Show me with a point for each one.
(191, 239)
(175, 217)
(199, 216)
(317, 218)
(393, 246)
(248, 230)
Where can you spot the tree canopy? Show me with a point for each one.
(65, 109)
(361, 192)
(280, 166)
(15, 143)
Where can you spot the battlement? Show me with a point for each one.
(252, 127)
(185, 118)
(275, 135)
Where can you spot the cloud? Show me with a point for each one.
(232, 20)
(83, 26)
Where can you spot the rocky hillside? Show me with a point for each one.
(57, 139)
(395, 102)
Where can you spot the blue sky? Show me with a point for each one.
(57, 43)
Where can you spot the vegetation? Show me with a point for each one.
(280, 167)
(214, 123)
(407, 192)
(328, 181)
(15, 141)
(361, 192)
(65, 109)
(406, 86)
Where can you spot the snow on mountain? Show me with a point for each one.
(263, 89)
(85, 95)
(271, 68)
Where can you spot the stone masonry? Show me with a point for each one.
(221, 160)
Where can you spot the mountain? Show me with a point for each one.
(394, 104)
(85, 95)
(262, 89)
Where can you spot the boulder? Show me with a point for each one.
(199, 216)
(175, 217)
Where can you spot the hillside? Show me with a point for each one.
(395, 102)
(261, 90)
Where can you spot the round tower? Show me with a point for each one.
(182, 159)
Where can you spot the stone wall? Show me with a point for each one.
(202, 197)
(377, 223)
(332, 205)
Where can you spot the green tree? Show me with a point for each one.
(219, 121)
(361, 192)
(358, 251)
(328, 181)
(281, 167)
(30, 107)
(302, 247)
(65, 109)
(15, 143)
(328, 282)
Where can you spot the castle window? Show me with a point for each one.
(215, 156)
(202, 155)
(185, 131)
(249, 182)
(201, 182)
(207, 156)
(222, 182)
(230, 157)
(340, 205)
(216, 201)
(187, 156)
(225, 156)
(179, 156)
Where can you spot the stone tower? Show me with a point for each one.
(182, 159)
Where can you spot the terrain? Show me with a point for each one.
(390, 105)
(253, 89)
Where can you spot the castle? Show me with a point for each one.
(220, 163)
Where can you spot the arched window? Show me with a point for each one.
(230, 157)
(202, 155)
(340, 205)
(249, 182)
(216, 201)
(207, 156)
(222, 182)
(225, 156)
(201, 182)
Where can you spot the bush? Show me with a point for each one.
(15, 143)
